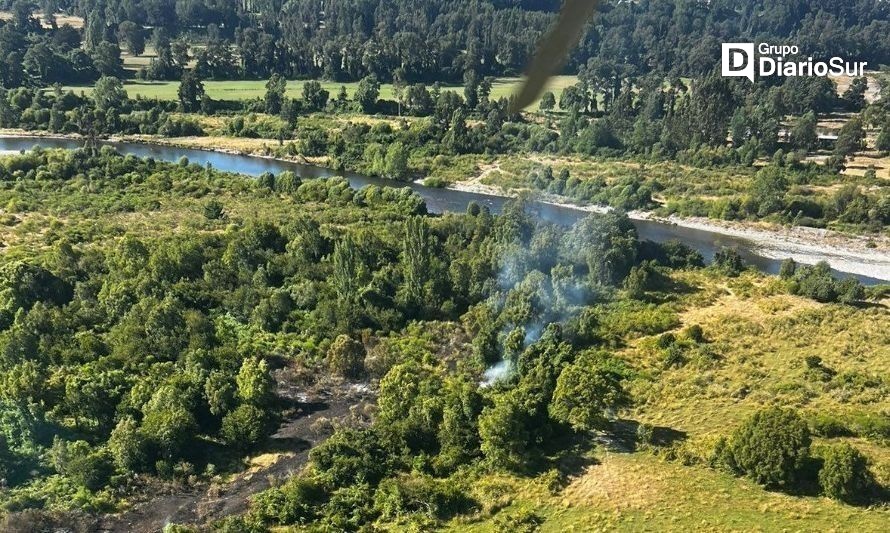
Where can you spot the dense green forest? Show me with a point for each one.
(418, 41)
(640, 107)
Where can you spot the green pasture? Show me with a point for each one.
(248, 89)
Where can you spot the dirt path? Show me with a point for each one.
(285, 454)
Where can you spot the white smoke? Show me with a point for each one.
(497, 372)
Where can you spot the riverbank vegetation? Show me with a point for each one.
(668, 135)
(444, 142)
(196, 288)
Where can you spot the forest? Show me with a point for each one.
(417, 41)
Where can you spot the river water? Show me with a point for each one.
(446, 200)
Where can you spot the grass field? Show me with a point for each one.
(640, 492)
(61, 19)
(243, 90)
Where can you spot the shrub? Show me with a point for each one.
(350, 508)
(817, 283)
(645, 435)
(296, 502)
(673, 357)
(523, 521)
(671, 254)
(585, 394)
(440, 499)
(844, 475)
(637, 282)
(128, 446)
(850, 291)
(245, 426)
(874, 426)
(816, 370)
(349, 456)
(771, 447)
(729, 262)
(788, 269)
(695, 334)
(180, 127)
(346, 357)
(214, 210)
(666, 341)
(77, 460)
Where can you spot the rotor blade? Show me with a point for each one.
(554, 51)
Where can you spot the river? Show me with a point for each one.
(447, 200)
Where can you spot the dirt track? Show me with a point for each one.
(299, 432)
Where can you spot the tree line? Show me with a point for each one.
(423, 41)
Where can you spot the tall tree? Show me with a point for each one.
(349, 274)
(191, 92)
(255, 383)
(132, 35)
(367, 93)
(804, 134)
(417, 255)
(275, 89)
(315, 97)
(471, 89)
(851, 138)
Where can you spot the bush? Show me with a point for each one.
(788, 269)
(180, 127)
(643, 278)
(844, 475)
(695, 334)
(817, 283)
(214, 210)
(875, 426)
(645, 435)
(245, 426)
(729, 262)
(349, 456)
(523, 521)
(350, 508)
(829, 427)
(346, 357)
(676, 254)
(771, 447)
(296, 502)
(441, 499)
(86, 467)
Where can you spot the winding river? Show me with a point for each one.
(764, 256)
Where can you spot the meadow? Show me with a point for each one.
(757, 338)
(250, 89)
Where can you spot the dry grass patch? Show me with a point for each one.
(640, 492)
(61, 19)
(619, 483)
(758, 340)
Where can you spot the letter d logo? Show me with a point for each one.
(738, 60)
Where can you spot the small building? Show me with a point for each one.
(827, 141)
